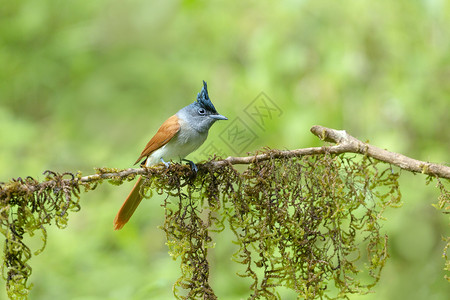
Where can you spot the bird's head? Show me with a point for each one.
(201, 114)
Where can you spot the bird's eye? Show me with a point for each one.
(201, 111)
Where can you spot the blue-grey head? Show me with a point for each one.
(201, 114)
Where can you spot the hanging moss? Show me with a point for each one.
(443, 205)
(26, 207)
(302, 223)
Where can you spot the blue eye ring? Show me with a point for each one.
(201, 111)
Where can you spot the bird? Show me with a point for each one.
(178, 136)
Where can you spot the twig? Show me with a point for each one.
(345, 143)
(404, 162)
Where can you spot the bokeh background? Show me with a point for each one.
(85, 84)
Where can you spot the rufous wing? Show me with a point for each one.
(165, 133)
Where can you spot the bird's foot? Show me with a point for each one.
(167, 164)
(194, 167)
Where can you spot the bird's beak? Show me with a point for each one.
(218, 117)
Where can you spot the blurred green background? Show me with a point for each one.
(85, 84)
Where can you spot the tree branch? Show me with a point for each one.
(345, 143)
(356, 146)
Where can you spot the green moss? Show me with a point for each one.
(444, 205)
(302, 223)
(27, 207)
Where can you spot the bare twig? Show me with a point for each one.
(346, 144)
(356, 146)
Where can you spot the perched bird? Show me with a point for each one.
(178, 136)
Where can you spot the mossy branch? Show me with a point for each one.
(298, 215)
(345, 144)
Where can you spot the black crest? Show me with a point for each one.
(203, 99)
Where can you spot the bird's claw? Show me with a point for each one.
(167, 164)
(194, 167)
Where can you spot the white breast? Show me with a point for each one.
(182, 144)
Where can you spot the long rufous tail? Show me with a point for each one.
(129, 206)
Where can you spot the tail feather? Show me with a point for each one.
(129, 206)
